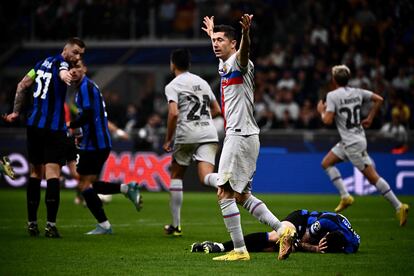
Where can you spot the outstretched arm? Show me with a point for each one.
(19, 99)
(243, 53)
(208, 25)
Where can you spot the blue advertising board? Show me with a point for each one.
(278, 171)
(282, 172)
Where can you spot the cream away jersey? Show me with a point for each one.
(193, 96)
(346, 103)
(237, 98)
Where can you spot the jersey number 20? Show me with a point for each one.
(352, 116)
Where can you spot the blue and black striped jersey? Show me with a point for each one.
(49, 95)
(95, 129)
(330, 222)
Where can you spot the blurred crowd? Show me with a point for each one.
(294, 45)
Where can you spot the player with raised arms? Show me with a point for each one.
(241, 144)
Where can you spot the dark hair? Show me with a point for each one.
(181, 58)
(76, 41)
(336, 242)
(228, 31)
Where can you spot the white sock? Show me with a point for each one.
(176, 200)
(105, 224)
(384, 188)
(231, 216)
(30, 222)
(124, 188)
(260, 211)
(51, 223)
(335, 177)
(240, 249)
(211, 180)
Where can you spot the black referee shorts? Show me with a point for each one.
(91, 161)
(46, 146)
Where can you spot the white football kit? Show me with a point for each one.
(346, 103)
(195, 136)
(241, 145)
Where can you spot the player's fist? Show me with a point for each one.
(10, 118)
(167, 146)
(321, 106)
(366, 123)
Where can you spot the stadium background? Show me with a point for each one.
(294, 45)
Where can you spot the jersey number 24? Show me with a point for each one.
(197, 105)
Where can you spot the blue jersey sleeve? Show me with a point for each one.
(85, 95)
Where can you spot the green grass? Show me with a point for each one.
(139, 247)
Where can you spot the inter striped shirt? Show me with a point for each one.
(49, 95)
(89, 100)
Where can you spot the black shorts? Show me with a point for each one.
(299, 218)
(92, 161)
(46, 146)
(71, 149)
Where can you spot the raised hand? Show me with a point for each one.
(245, 22)
(208, 25)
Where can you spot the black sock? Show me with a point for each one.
(52, 198)
(106, 188)
(94, 204)
(32, 198)
(228, 246)
(257, 242)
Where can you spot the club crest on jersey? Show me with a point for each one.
(223, 70)
(316, 227)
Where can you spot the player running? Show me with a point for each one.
(94, 149)
(344, 105)
(241, 144)
(191, 106)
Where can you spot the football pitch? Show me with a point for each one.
(139, 246)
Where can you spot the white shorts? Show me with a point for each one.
(238, 162)
(184, 153)
(356, 154)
